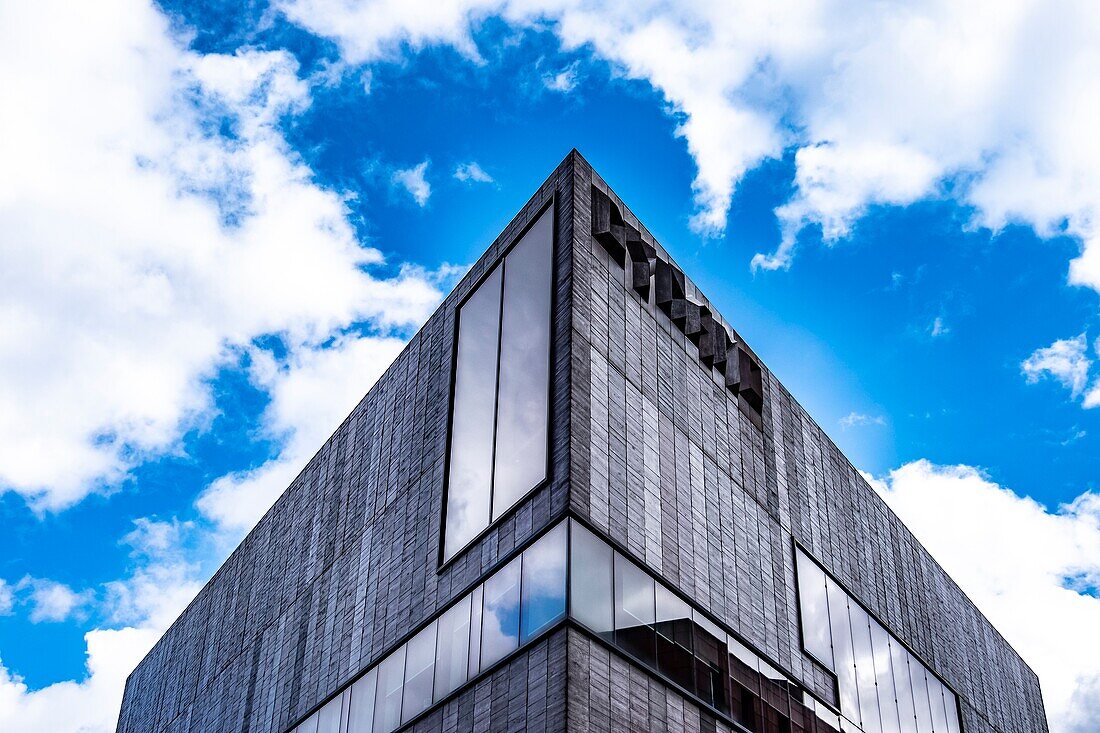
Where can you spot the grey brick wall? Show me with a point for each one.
(647, 446)
(665, 461)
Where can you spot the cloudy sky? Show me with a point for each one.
(220, 221)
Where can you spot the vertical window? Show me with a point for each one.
(453, 651)
(634, 609)
(419, 673)
(543, 583)
(814, 604)
(522, 424)
(500, 619)
(712, 669)
(590, 581)
(469, 479)
(387, 707)
(899, 664)
(309, 725)
(674, 635)
(865, 668)
(745, 686)
(361, 719)
(935, 700)
(843, 655)
(952, 705)
(884, 678)
(920, 695)
(476, 597)
(329, 717)
(499, 425)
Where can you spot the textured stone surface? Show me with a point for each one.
(648, 444)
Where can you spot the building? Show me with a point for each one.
(577, 501)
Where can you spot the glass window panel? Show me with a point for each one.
(361, 718)
(712, 666)
(745, 683)
(634, 609)
(884, 676)
(952, 705)
(309, 725)
(935, 700)
(475, 630)
(452, 656)
(674, 638)
(865, 668)
(419, 673)
(469, 475)
(523, 396)
(591, 590)
(843, 655)
(387, 707)
(500, 617)
(813, 603)
(903, 686)
(920, 695)
(543, 583)
(329, 717)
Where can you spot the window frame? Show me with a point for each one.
(549, 206)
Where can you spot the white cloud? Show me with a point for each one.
(413, 181)
(52, 601)
(7, 598)
(472, 172)
(1065, 360)
(143, 248)
(989, 102)
(1020, 563)
(852, 419)
(139, 608)
(938, 327)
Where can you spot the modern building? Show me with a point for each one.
(578, 501)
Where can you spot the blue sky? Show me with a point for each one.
(223, 219)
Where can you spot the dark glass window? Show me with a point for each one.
(745, 683)
(634, 610)
(674, 638)
(469, 480)
(361, 718)
(712, 670)
(452, 656)
(543, 583)
(500, 618)
(387, 707)
(419, 673)
(499, 425)
(591, 589)
(813, 602)
(524, 367)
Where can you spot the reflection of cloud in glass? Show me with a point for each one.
(500, 622)
(543, 582)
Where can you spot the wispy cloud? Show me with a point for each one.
(51, 601)
(414, 183)
(853, 419)
(7, 598)
(472, 173)
(938, 327)
(563, 81)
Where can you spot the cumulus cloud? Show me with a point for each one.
(990, 102)
(472, 173)
(414, 182)
(137, 609)
(1067, 362)
(154, 222)
(1054, 575)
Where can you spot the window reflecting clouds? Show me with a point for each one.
(453, 650)
(499, 424)
(500, 616)
(419, 673)
(543, 583)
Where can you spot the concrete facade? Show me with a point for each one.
(647, 446)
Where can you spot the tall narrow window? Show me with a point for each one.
(387, 701)
(419, 673)
(500, 421)
(453, 652)
(543, 583)
(635, 612)
(500, 618)
(814, 603)
(591, 594)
